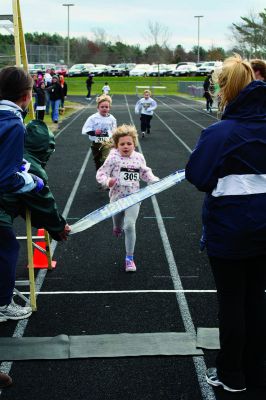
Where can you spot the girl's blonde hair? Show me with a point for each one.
(125, 130)
(147, 91)
(102, 98)
(234, 75)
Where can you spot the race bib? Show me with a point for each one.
(101, 139)
(128, 176)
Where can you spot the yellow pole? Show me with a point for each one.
(30, 261)
(48, 249)
(20, 45)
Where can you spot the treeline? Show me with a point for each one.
(248, 39)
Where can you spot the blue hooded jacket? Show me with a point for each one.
(229, 164)
(12, 136)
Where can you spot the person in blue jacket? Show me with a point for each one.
(15, 96)
(229, 165)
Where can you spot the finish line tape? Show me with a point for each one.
(122, 204)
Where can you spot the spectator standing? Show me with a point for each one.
(40, 100)
(56, 93)
(15, 95)
(259, 68)
(64, 92)
(208, 91)
(48, 82)
(229, 165)
(89, 83)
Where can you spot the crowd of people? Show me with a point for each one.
(228, 164)
(50, 91)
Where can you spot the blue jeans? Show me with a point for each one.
(9, 250)
(55, 109)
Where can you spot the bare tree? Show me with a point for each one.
(100, 35)
(158, 34)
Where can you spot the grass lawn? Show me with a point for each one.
(126, 85)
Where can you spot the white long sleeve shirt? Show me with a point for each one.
(145, 106)
(97, 122)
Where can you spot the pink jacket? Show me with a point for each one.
(127, 171)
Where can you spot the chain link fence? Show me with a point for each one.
(193, 88)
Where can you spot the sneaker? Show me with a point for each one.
(117, 232)
(14, 311)
(130, 266)
(142, 134)
(148, 131)
(212, 379)
(5, 380)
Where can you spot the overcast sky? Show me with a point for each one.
(127, 20)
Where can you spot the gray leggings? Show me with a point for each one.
(126, 220)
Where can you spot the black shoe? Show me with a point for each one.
(142, 134)
(212, 379)
(148, 131)
(55, 122)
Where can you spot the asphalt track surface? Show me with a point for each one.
(167, 257)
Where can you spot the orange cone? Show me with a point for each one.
(40, 260)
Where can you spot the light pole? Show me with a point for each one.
(68, 44)
(198, 16)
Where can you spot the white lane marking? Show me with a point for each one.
(84, 292)
(77, 116)
(200, 366)
(192, 108)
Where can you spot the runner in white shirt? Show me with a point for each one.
(100, 127)
(106, 88)
(145, 107)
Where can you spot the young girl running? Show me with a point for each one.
(99, 127)
(121, 172)
(145, 107)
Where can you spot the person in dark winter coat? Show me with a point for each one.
(56, 94)
(229, 165)
(89, 82)
(40, 100)
(208, 92)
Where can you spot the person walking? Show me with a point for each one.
(145, 107)
(121, 172)
(229, 165)
(89, 83)
(40, 100)
(208, 92)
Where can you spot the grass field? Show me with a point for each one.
(125, 85)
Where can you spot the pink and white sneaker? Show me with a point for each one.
(130, 266)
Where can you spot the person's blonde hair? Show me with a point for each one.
(147, 91)
(102, 98)
(125, 130)
(234, 75)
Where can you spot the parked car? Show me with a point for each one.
(185, 70)
(61, 70)
(208, 67)
(100, 70)
(156, 68)
(34, 68)
(121, 69)
(140, 70)
(170, 69)
(80, 69)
